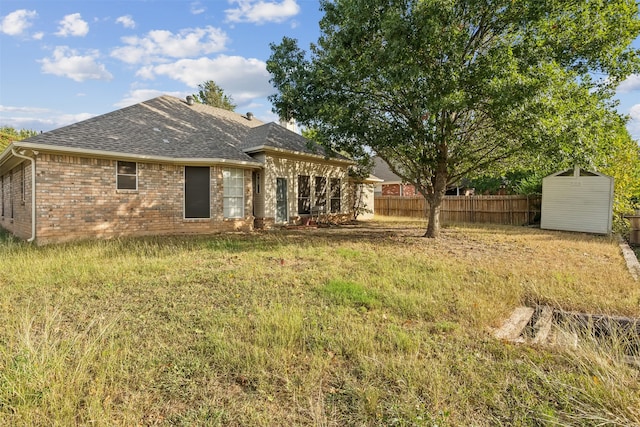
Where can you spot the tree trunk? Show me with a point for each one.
(433, 227)
(439, 183)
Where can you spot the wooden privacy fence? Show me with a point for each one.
(508, 210)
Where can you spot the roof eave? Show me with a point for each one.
(270, 149)
(6, 155)
(136, 157)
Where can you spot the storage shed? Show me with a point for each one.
(577, 200)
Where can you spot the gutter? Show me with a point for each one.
(270, 150)
(33, 192)
(139, 157)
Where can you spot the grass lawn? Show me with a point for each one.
(369, 325)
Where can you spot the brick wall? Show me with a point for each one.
(77, 198)
(406, 190)
(15, 200)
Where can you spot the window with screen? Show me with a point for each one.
(321, 191)
(197, 192)
(335, 195)
(304, 194)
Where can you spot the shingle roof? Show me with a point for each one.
(274, 136)
(167, 127)
(382, 170)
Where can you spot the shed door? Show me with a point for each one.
(281, 200)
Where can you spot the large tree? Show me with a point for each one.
(441, 89)
(210, 93)
(9, 134)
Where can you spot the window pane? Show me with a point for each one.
(127, 168)
(335, 188)
(304, 194)
(126, 182)
(335, 205)
(335, 195)
(304, 206)
(233, 190)
(304, 187)
(321, 191)
(233, 207)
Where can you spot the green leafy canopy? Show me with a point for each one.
(9, 134)
(211, 94)
(442, 89)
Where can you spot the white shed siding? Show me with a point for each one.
(577, 203)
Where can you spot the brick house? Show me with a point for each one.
(166, 166)
(392, 184)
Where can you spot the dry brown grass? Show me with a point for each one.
(364, 325)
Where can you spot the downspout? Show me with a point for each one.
(33, 192)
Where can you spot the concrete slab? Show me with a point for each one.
(514, 326)
(631, 259)
(542, 327)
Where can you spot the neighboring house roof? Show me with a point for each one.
(381, 170)
(167, 128)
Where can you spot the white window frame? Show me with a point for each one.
(233, 191)
(118, 174)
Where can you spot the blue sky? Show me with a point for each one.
(62, 61)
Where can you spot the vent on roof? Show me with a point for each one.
(249, 115)
(189, 100)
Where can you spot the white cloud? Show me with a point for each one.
(67, 62)
(126, 21)
(269, 116)
(161, 44)
(27, 110)
(259, 12)
(73, 25)
(17, 22)
(39, 119)
(243, 78)
(140, 95)
(38, 36)
(197, 8)
(631, 84)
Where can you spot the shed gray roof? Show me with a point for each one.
(167, 127)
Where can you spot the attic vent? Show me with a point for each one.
(189, 100)
(249, 115)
